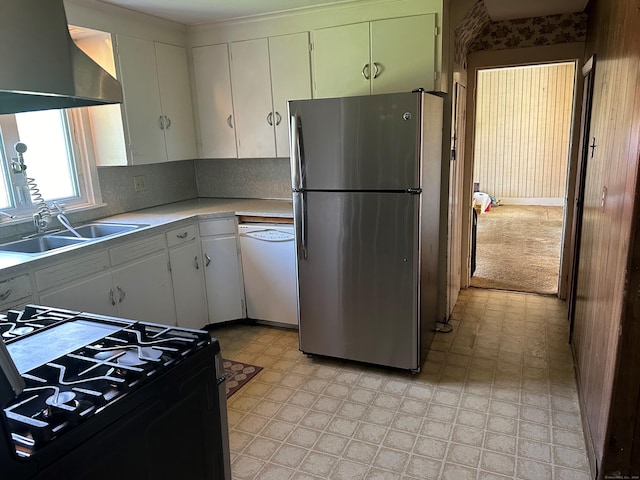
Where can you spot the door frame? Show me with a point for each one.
(588, 72)
(509, 58)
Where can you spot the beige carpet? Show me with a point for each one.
(518, 248)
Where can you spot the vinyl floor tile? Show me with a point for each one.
(495, 399)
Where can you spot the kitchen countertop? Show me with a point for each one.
(177, 213)
(206, 208)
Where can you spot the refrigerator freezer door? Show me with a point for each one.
(357, 143)
(358, 285)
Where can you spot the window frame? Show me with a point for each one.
(82, 165)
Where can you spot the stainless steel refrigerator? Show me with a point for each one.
(366, 195)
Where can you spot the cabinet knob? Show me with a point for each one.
(270, 118)
(4, 295)
(229, 121)
(161, 122)
(207, 260)
(112, 297)
(196, 263)
(167, 122)
(182, 235)
(278, 118)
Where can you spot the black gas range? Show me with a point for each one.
(82, 393)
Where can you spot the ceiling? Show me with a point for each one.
(204, 11)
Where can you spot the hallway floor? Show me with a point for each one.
(496, 399)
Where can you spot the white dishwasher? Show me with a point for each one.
(269, 269)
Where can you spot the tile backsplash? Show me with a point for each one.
(176, 181)
(244, 178)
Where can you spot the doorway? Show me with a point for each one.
(522, 132)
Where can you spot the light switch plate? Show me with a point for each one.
(139, 183)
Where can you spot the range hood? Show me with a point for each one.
(41, 68)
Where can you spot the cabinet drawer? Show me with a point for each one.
(14, 289)
(181, 235)
(134, 250)
(57, 275)
(224, 226)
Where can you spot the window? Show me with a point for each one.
(56, 167)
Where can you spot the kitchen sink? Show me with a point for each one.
(53, 241)
(40, 244)
(98, 230)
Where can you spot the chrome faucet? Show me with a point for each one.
(7, 215)
(41, 222)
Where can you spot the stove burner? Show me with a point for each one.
(22, 330)
(59, 398)
(142, 356)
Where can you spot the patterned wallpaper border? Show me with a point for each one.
(476, 32)
(532, 32)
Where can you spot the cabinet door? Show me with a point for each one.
(144, 290)
(94, 294)
(188, 285)
(139, 78)
(403, 54)
(252, 99)
(175, 100)
(223, 278)
(341, 61)
(215, 106)
(290, 80)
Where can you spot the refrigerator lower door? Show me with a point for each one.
(358, 276)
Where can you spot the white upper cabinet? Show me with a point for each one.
(341, 56)
(142, 108)
(403, 54)
(290, 80)
(175, 100)
(158, 118)
(265, 74)
(383, 56)
(214, 102)
(252, 99)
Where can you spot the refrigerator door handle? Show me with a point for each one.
(300, 212)
(296, 153)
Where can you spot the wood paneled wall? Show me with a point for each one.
(607, 323)
(523, 124)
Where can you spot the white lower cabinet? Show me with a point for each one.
(144, 291)
(15, 292)
(185, 257)
(93, 294)
(137, 286)
(223, 272)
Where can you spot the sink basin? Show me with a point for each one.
(98, 230)
(39, 244)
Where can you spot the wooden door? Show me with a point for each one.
(587, 99)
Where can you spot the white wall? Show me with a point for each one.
(113, 19)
